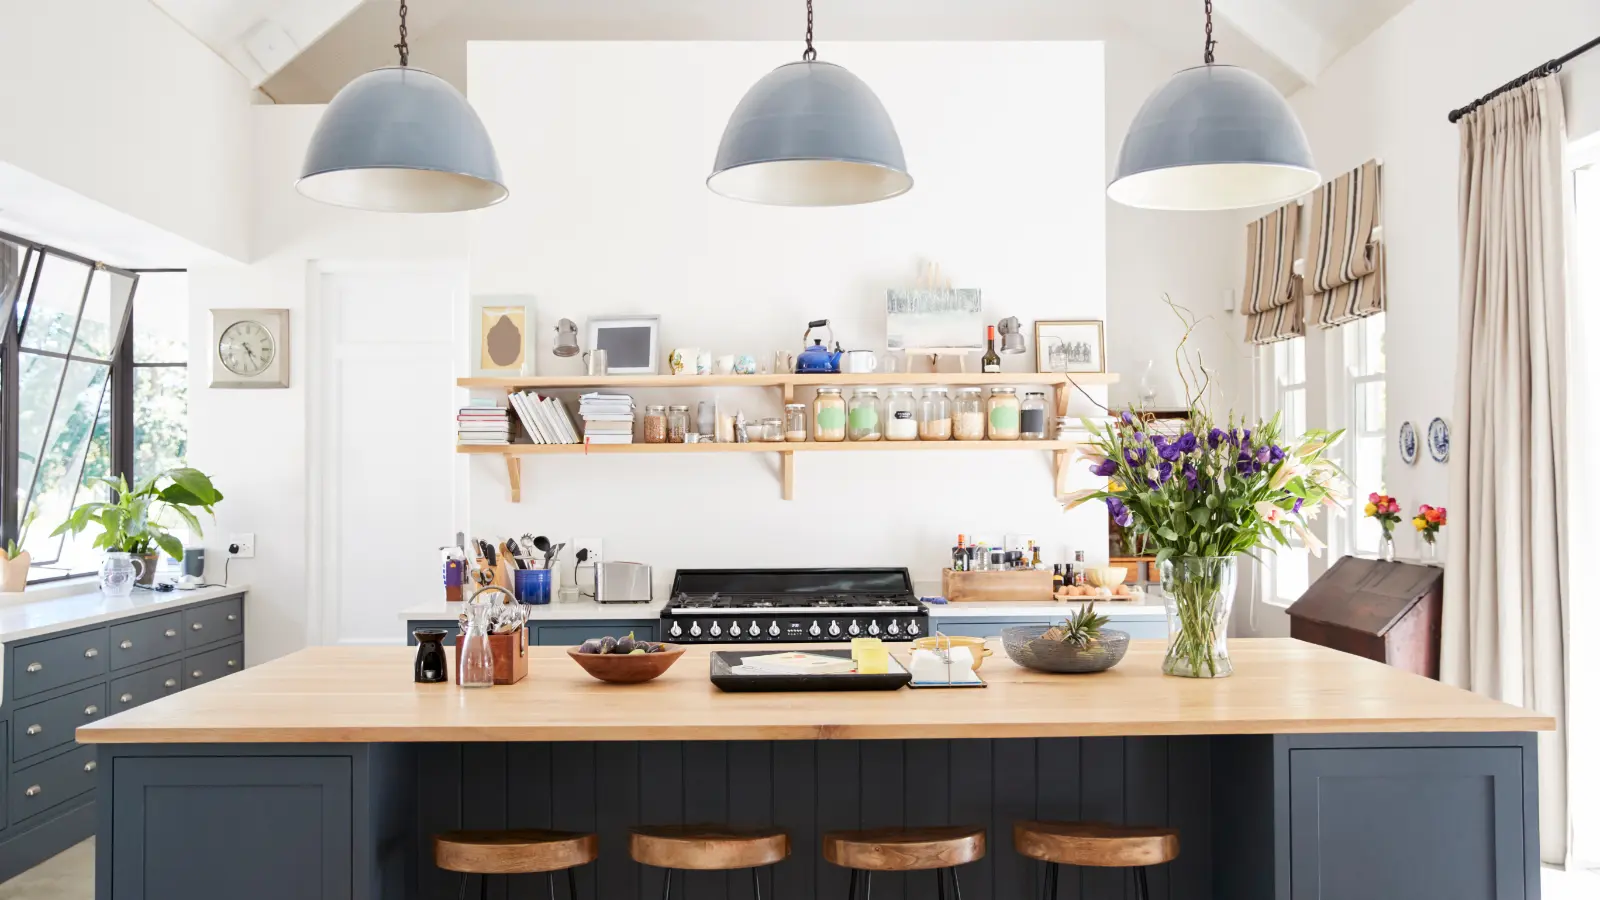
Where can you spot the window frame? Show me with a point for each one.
(1275, 389)
(1350, 411)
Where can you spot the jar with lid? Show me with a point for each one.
(655, 424)
(900, 415)
(794, 422)
(1033, 416)
(933, 415)
(828, 415)
(771, 430)
(866, 415)
(968, 414)
(677, 423)
(1005, 415)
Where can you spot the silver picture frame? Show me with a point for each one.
(632, 343)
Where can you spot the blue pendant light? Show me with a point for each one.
(810, 134)
(399, 139)
(1213, 137)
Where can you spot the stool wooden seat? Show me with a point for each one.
(501, 852)
(708, 848)
(940, 848)
(1094, 844)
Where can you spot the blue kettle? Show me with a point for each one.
(815, 359)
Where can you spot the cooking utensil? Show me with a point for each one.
(515, 552)
(542, 544)
(555, 551)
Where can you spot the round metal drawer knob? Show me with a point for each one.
(195, 674)
(233, 664)
(171, 682)
(126, 698)
(196, 626)
(91, 653)
(35, 667)
(172, 632)
(233, 617)
(91, 710)
(126, 645)
(34, 729)
(90, 766)
(34, 791)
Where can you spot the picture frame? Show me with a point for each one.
(249, 348)
(501, 331)
(1070, 346)
(632, 343)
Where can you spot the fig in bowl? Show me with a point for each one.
(625, 660)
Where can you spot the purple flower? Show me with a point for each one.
(1164, 472)
(1127, 417)
(1160, 440)
(1263, 456)
(1277, 453)
(1191, 475)
(1170, 453)
(1187, 443)
(1245, 465)
(1297, 502)
(1134, 458)
(1247, 435)
(1216, 437)
(1138, 436)
(1120, 513)
(1106, 468)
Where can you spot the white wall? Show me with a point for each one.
(609, 214)
(114, 101)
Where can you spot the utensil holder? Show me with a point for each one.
(1000, 585)
(510, 656)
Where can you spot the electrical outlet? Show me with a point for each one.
(241, 546)
(592, 544)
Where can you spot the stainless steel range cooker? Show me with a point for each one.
(733, 606)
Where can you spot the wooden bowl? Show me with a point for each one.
(1106, 576)
(627, 668)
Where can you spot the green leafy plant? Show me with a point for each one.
(14, 546)
(136, 521)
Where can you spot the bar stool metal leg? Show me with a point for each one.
(572, 884)
(853, 874)
(483, 887)
(666, 884)
(462, 894)
(955, 882)
(1142, 882)
(866, 885)
(550, 882)
(938, 878)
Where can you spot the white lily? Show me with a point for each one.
(1286, 473)
(1309, 447)
(1078, 498)
(1309, 539)
(1269, 512)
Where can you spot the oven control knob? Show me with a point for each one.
(694, 629)
(815, 630)
(675, 630)
(755, 628)
(716, 630)
(854, 628)
(774, 630)
(733, 630)
(872, 628)
(833, 629)
(894, 627)
(912, 629)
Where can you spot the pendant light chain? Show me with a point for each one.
(1211, 42)
(811, 52)
(405, 51)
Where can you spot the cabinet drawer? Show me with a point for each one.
(138, 642)
(45, 726)
(573, 635)
(43, 665)
(212, 664)
(138, 689)
(52, 782)
(213, 622)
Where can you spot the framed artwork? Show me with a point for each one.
(1069, 347)
(935, 319)
(501, 331)
(632, 343)
(249, 348)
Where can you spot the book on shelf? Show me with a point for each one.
(592, 427)
(608, 438)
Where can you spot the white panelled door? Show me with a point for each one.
(383, 490)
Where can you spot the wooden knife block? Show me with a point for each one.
(1003, 586)
(510, 656)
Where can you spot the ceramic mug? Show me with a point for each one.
(594, 361)
(745, 364)
(724, 365)
(782, 361)
(702, 363)
(858, 362)
(683, 360)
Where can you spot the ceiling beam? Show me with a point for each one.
(1279, 33)
(258, 37)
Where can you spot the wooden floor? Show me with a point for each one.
(68, 876)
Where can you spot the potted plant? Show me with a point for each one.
(136, 522)
(14, 566)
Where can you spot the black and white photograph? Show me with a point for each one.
(1070, 346)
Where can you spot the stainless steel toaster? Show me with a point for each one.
(622, 582)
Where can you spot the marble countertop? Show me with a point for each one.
(579, 610)
(23, 616)
(555, 611)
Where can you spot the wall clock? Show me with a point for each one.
(249, 348)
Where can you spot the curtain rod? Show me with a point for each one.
(1549, 68)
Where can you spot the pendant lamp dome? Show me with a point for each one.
(400, 139)
(1213, 137)
(810, 134)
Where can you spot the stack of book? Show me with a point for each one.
(607, 418)
(483, 423)
(544, 419)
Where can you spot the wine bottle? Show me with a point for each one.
(991, 360)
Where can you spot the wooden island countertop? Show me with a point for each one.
(366, 694)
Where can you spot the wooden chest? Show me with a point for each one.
(1387, 611)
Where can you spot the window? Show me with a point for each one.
(84, 350)
(1365, 442)
(1287, 572)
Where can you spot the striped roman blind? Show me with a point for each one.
(1274, 300)
(1344, 264)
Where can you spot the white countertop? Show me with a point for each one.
(24, 616)
(557, 611)
(1151, 608)
(554, 611)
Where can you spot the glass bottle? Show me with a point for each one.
(900, 416)
(866, 415)
(476, 667)
(991, 360)
(969, 414)
(933, 419)
(706, 420)
(828, 415)
(1005, 415)
(655, 424)
(794, 422)
(1033, 416)
(677, 424)
(771, 430)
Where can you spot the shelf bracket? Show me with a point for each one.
(514, 473)
(786, 460)
(1063, 461)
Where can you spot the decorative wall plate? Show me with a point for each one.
(1408, 443)
(1439, 440)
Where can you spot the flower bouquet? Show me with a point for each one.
(1427, 522)
(1386, 510)
(1201, 499)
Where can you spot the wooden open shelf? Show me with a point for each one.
(876, 379)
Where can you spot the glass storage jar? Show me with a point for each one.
(677, 423)
(1033, 416)
(900, 415)
(828, 415)
(655, 424)
(969, 414)
(1005, 415)
(794, 422)
(771, 430)
(866, 415)
(933, 416)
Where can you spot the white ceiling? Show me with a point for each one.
(303, 51)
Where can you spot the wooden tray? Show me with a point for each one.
(1002, 586)
(723, 676)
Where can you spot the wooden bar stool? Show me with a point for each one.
(708, 848)
(904, 850)
(1094, 844)
(486, 853)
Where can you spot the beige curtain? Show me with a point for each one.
(1274, 297)
(1345, 273)
(1506, 603)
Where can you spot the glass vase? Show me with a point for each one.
(1199, 593)
(1386, 546)
(1430, 551)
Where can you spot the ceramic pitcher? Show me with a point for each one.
(118, 573)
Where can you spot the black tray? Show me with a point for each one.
(722, 675)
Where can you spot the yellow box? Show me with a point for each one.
(871, 656)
